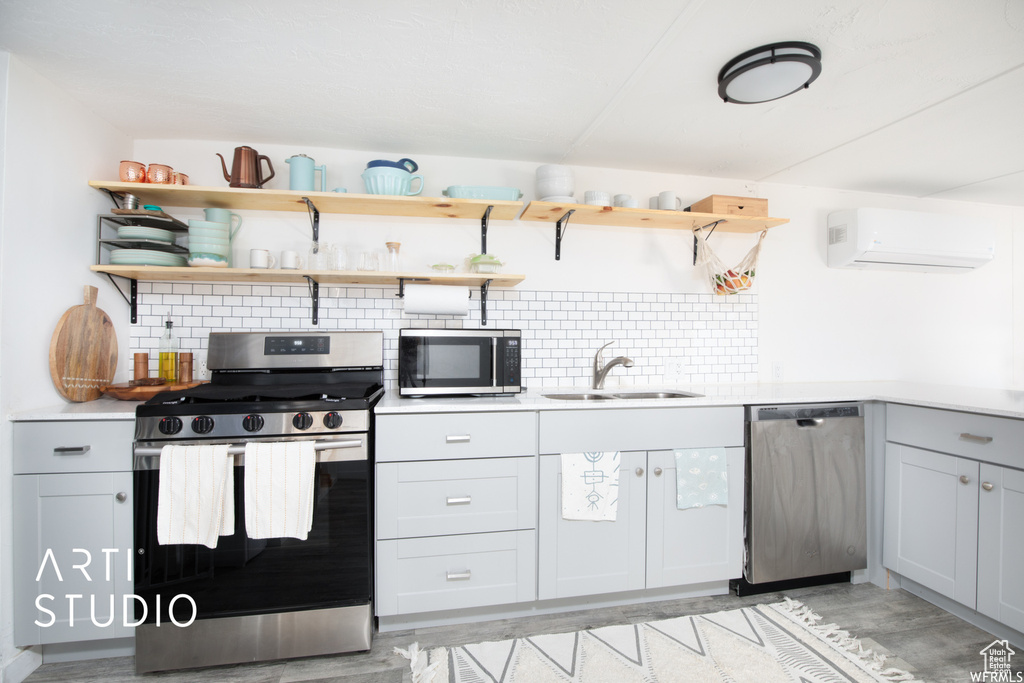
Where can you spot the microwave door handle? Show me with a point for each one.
(494, 362)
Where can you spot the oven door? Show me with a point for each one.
(438, 362)
(243, 576)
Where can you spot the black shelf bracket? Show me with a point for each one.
(314, 295)
(713, 226)
(560, 227)
(314, 217)
(483, 301)
(483, 229)
(403, 280)
(133, 289)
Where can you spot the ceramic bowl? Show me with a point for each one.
(208, 260)
(220, 232)
(391, 181)
(555, 187)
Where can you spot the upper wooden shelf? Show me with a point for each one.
(323, 277)
(325, 202)
(588, 214)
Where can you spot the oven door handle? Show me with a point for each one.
(239, 449)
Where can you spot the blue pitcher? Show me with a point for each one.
(302, 174)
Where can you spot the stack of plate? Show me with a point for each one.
(139, 232)
(145, 257)
(209, 243)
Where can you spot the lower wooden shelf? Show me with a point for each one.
(323, 277)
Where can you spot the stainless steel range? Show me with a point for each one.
(273, 598)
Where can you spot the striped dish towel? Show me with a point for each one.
(279, 480)
(196, 497)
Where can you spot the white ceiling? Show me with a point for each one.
(916, 97)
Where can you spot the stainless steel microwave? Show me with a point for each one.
(434, 362)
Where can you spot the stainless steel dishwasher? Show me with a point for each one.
(806, 504)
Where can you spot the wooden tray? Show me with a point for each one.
(129, 392)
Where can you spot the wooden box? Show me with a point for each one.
(742, 206)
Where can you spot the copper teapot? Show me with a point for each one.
(245, 168)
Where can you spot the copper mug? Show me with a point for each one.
(160, 173)
(132, 172)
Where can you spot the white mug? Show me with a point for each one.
(668, 201)
(621, 199)
(652, 203)
(597, 198)
(261, 258)
(291, 260)
(631, 204)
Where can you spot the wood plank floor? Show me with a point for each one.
(931, 643)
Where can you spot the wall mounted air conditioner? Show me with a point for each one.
(908, 240)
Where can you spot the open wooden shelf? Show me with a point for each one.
(323, 277)
(325, 202)
(589, 214)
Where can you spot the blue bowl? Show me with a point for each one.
(404, 164)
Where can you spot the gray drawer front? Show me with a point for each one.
(997, 440)
(570, 431)
(54, 447)
(454, 572)
(456, 496)
(438, 436)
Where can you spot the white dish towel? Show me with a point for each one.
(590, 486)
(701, 477)
(279, 479)
(196, 496)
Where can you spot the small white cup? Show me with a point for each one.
(631, 204)
(621, 199)
(291, 260)
(652, 203)
(668, 201)
(597, 198)
(261, 258)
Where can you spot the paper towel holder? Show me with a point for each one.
(484, 286)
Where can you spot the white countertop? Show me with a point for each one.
(1000, 402)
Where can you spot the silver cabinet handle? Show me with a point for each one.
(462, 500)
(71, 450)
(964, 479)
(121, 497)
(458, 576)
(987, 486)
(657, 471)
(974, 438)
(639, 471)
(457, 438)
(808, 422)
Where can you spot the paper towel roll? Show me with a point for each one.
(436, 299)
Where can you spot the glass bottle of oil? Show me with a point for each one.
(169, 355)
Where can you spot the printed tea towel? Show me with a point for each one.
(701, 477)
(590, 486)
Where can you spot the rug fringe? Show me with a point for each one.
(872, 660)
(421, 671)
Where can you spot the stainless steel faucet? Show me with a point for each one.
(601, 371)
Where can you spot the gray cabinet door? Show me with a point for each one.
(1001, 545)
(697, 544)
(590, 558)
(61, 521)
(931, 520)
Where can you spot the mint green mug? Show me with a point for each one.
(224, 216)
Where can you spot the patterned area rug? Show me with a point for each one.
(766, 643)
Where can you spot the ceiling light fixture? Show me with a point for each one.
(769, 72)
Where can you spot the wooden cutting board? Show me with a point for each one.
(129, 392)
(83, 351)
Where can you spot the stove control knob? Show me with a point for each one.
(302, 421)
(202, 424)
(252, 423)
(332, 420)
(170, 425)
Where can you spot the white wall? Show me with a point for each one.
(53, 148)
(817, 323)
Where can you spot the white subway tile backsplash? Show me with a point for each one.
(715, 337)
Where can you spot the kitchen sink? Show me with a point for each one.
(588, 396)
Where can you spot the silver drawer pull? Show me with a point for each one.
(964, 479)
(987, 486)
(458, 576)
(639, 471)
(121, 497)
(657, 471)
(973, 438)
(457, 438)
(71, 450)
(461, 500)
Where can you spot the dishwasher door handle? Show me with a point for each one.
(808, 422)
